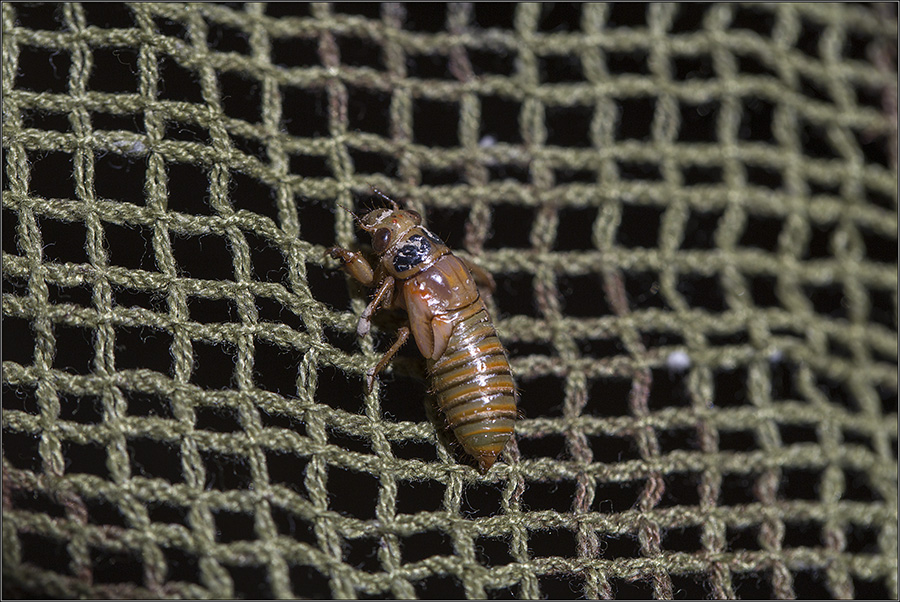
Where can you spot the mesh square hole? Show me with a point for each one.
(64, 242)
(609, 396)
(752, 585)
(212, 311)
(515, 294)
(435, 123)
(638, 170)
(120, 177)
(182, 566)
(226, 472)
(267, 260)
(419, 546)
(46, 552)
(213, 366)
(488, 61)
(114, 70)
(686, 68)
(556, 495)
(481, 500)
(683, 539)
(177, 82)
(639, 227)
(87, 458)
(287, 470)
(359, 52)
(493, 551)
(583, 296)
(542, 395)
(511, 226)
(439, 587)
(155, 459)
(419, 496)
(233, 526)
(223, 38)
(204, 257)
(251, 582)
(701, 175)
(367, 110)
(163, 512)
(562, 587)
(569, 126)
(154, 301)
(308, 581)
(20, 398)
(352, 493)
(373, 163)
(423, 451)
(425, 18)
(560, 17)
(42, 70)
(104, 512)
(429, 66)
(74, 349)
(681, 489)
(275, 368)
(18, 330)
(627, 16)
(116, 566)
(296, 52)
(217, 418)
(362, 553)
(310, 166)
(241, 96)
(613, 497)
(141, 347)
(305, 111)
(699, 123)
(38, 502)
(631, 62)
(574, 231)
(611, 449)
(622, 545)
(557, 68)
(552, 543)
(130, 246)
(39, 16)
(449, 225)
(22, 450)
(84, 409)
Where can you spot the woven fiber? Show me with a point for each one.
(690, 211)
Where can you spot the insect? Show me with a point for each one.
(468, 366)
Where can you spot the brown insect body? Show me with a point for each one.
(470, 372)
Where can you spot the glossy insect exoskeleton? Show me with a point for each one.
(470, 372)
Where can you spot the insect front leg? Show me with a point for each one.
(383, 296)
(402, 336)
(483, 278)
(354, 264)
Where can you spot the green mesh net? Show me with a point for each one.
(691, 214)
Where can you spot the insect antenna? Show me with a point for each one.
(355, 217)
(387, 198)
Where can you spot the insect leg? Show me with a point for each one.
(354, 264)
(402, 336)
(482, 277)
(383, 296)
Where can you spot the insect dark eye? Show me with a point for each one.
(416, 217)
(380, 240)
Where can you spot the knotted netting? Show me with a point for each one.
(690, 212)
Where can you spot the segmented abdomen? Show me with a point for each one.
(474, 386)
